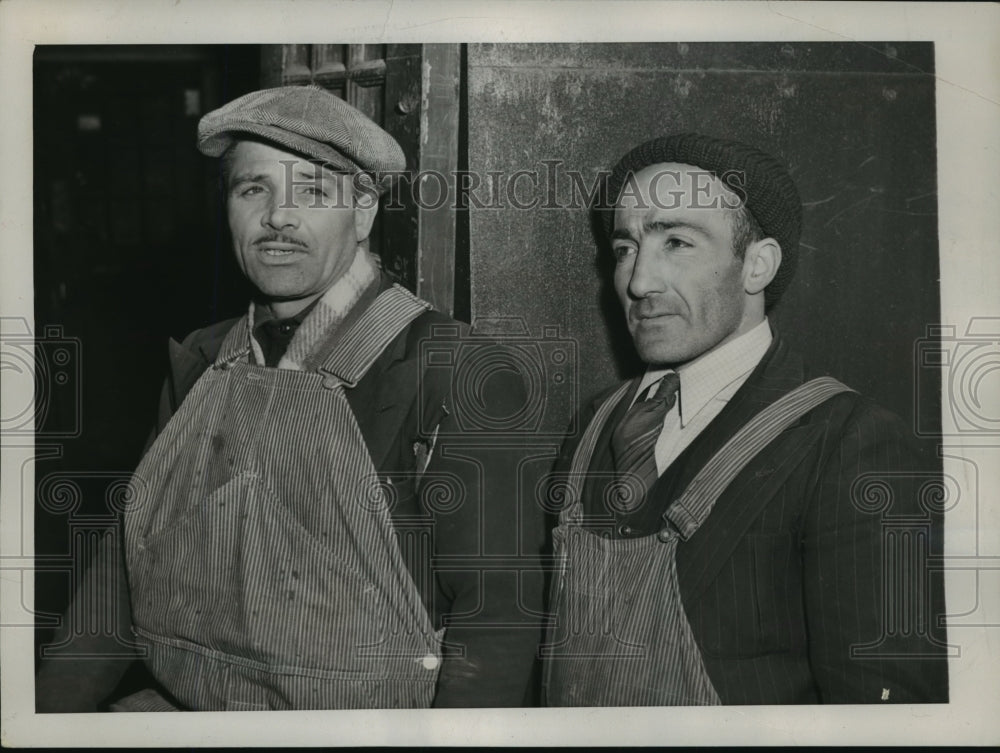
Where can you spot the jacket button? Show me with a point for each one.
(625, 530)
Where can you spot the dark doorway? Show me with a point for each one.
(130, 248)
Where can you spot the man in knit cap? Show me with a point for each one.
(305, 473)
(721, 541)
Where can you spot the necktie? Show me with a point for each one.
(633, 443)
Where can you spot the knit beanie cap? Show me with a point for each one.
(767, 190)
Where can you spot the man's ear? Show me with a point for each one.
(365, 206)
(760, 265)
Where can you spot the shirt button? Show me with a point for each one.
(430, 662)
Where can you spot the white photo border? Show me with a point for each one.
(967, 64)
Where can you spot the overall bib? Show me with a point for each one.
(621, 636)
(262, 561)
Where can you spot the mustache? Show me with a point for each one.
(646, 308)
(278, 238)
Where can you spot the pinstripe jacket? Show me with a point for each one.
(794, 587)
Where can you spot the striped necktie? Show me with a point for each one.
(633, 443)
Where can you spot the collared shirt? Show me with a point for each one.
(274, 334)
(707, 384)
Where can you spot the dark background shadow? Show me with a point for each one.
(130, 248)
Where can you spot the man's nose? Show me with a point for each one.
(279, 213)
(647, 273)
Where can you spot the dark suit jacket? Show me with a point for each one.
(794, 586)
(493, 623)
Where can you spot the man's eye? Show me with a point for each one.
(312, 191)
(250, 190)
(622, 252)
(677, 243)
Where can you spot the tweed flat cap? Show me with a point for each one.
(307, 120)
(769, 192)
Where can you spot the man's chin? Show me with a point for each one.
(661, 352)
(275, 288)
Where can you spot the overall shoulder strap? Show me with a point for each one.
(388, 315)
(573, 483)
(691, 509)
(237, 343)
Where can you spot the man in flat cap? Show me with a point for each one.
(722, 541)
(279, 547)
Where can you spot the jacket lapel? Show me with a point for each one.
(188, 363)
(381, 398)
(602, 468)
(700, 558)
(778, 373)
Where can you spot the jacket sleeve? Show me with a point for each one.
(488, 538)
(188, 361)
(873, 600)
(91, 663)
(83, 680)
